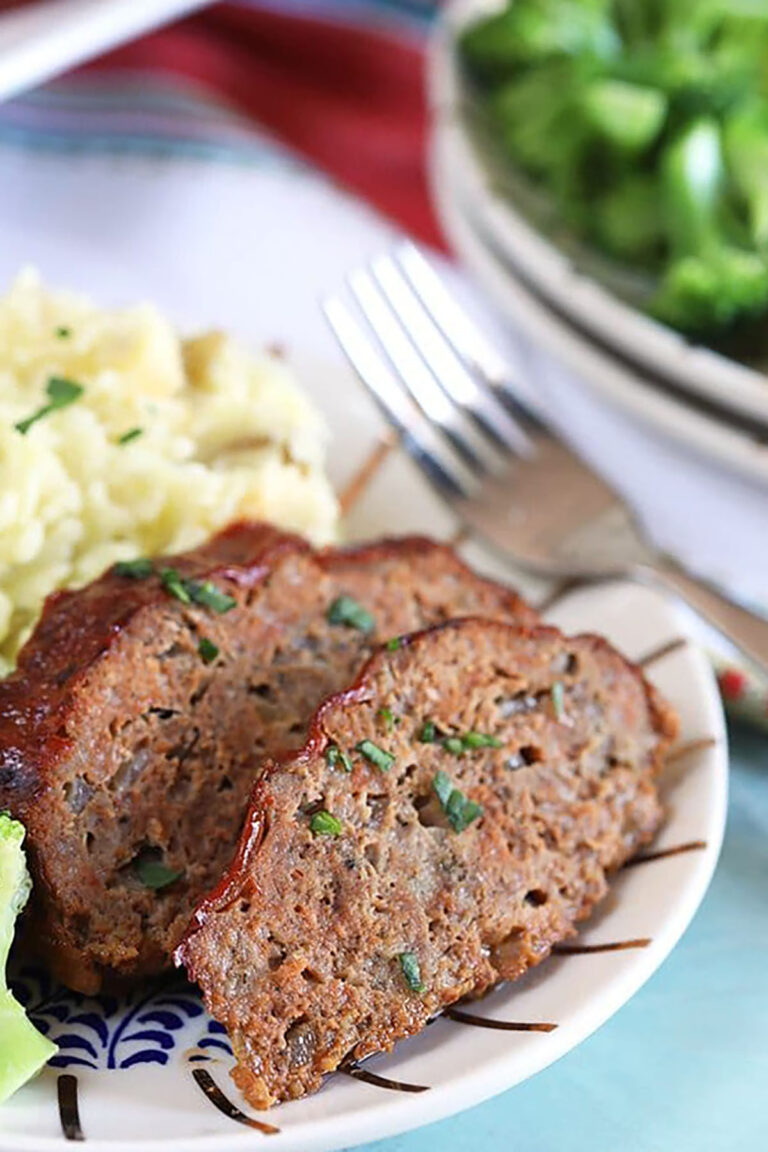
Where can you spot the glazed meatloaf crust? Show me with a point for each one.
(143, 704)
(450, 818)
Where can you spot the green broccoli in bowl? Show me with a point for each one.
(642, 130)
(23, 1050)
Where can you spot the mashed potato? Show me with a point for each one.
(165, 441)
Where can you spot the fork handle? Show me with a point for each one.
(746, 630)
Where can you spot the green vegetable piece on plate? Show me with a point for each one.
(23, 1050)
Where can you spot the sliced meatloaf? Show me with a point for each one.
(450, 818)
(143, 704)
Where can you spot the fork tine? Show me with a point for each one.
(443, 466)
(464, 389)
(420, 381)
(463, 335)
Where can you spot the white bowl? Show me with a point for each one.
(652, 346)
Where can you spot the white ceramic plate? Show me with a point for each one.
(652, 346)
(241, 246)
(718, 439)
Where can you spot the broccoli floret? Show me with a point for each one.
(23, 1050)
(626, 115)
(535, 30)
(710, 282)
(627, 223)
(705, 293)
(644, 124)
(746, 150)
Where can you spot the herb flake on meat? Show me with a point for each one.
(557, 692)
(411, 969)
(203, 592)
(460, 810)
(61, 393)
(393, 644)
(207, 650)
(325, 824)
(335, 755)
(427, 734)
(207, 594)
(139, 569)
(480, 740)
(387, 718)
(345, 610)
(154, 874)
(374, 755)
(174, 585)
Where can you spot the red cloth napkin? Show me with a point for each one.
(350, 98)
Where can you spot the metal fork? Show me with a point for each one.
(451, 398)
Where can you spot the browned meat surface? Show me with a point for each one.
(131, 732)
(497, 775)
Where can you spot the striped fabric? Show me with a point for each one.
(339, 82)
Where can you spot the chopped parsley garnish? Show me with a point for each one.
(459, 809)
(153, 874)
(131, 434)
(63, 332)
(189, 591)
(393, 644)
(335, 755)
(388, 719)
(348, 612)
(375, 755)
(480, 740)
(134, 569)
(557, 692)
(456, 745)
(324, 824)
(174, 585)
(207, 594)
(411, 969)
(61, 393)
(427, 734)
(208, 650)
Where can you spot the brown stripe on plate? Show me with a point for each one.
(357, 1073)
(661, 651)
(662, 853)
(462, 1017)
(688, 747)
(210, 1088)
(355, 489)
(611, 946)
(69, 1109)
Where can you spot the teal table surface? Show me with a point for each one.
(683, 1067)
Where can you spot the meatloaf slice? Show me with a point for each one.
(494, 775)
(132, 729)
